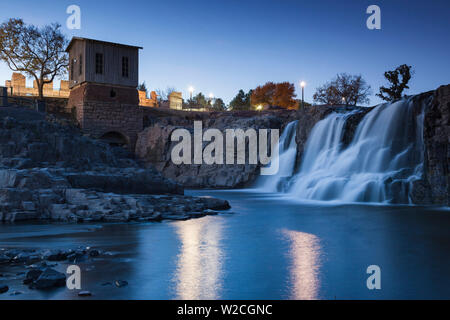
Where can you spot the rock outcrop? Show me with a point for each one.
(307, 119)
(437, 146)
(51, 171)
(154, 147)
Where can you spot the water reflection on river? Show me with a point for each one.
(304, 254)
(199, 266)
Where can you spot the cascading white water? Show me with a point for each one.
(287, 150)
(379, 165)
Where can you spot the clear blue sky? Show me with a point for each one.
(223, 46)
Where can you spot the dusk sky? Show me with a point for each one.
(223, 46)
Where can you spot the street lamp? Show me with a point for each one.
(303, 84)
(211, 97)
(191, 90)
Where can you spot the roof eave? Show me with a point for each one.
(100, 41)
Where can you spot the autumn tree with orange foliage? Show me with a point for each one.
(275, 94)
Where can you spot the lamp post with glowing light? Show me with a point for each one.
(211, 98)
(303, 84)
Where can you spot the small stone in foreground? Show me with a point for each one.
(94, 253)
(120, 283)
(50, 278)
(32, 275)
(4, 259)
(3, 289)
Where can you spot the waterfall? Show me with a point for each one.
(379, 165)
(287, 151)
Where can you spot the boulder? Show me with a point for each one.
(84, 293)
(26, 258)
(56, 255)
(4, 259)
(216, 204)
(94, 253)
(3, 289)
(32, 275)
(50, 278)
(120, 283)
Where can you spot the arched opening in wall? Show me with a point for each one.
(115, 139)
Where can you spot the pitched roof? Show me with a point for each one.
(99, 41)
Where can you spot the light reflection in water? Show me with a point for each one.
(199, 267)
(305, 255)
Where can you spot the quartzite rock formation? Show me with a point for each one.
(437, 146)
(51, 171)
(154, 147)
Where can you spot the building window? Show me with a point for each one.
(125, 67)
(99, 63)
(81, 65)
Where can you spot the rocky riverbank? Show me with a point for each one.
(37, 269)
(50, 171)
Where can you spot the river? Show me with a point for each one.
(269, 248)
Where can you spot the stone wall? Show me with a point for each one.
(17, 87)
(176, 100)
(148, 102)
(102, 109)
(99, 119)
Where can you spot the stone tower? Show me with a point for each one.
(103, 80)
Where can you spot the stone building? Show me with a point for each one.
(103, 77)
(17, 87)
(148, 102)
(176, 100)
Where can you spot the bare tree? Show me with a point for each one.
(37, 52)
(327, 94)
(344, 89)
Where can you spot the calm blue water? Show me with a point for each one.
(269, 249)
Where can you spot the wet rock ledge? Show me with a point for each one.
(84, 205)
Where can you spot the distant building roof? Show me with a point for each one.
(100, 41)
